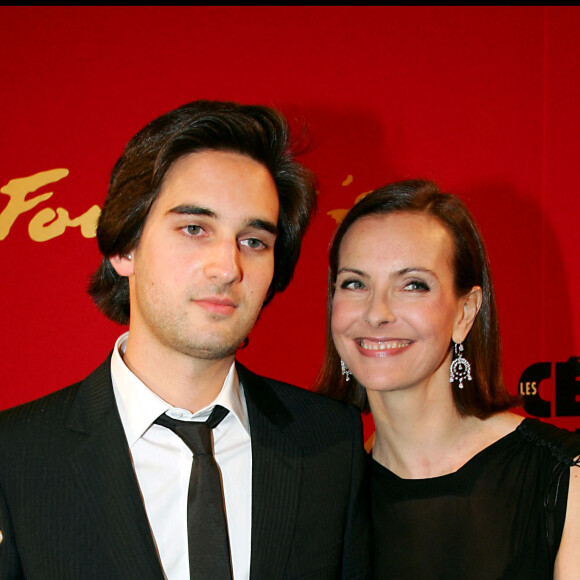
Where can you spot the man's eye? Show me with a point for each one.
(193, 230)
(253, 243)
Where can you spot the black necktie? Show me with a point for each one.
(209, 547)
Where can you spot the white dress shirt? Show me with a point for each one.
(162, 463)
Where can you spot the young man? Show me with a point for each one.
(202, 225)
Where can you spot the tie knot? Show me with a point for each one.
(195, 434)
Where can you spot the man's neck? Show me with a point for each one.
(182, 381)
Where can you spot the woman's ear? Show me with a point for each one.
(469, 307)
(123, 265)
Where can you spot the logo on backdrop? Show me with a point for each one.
(46, 223)
(567, 388)
(338, 214)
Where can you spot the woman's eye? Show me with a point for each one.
(417, 285)
(352, 285)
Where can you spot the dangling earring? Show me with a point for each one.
(344, 370)
(460, 367)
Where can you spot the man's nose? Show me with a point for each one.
(223, 264)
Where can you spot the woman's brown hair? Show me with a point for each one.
(486, 394)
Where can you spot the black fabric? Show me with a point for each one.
(71, 507)
(207, 528)
(500, 516)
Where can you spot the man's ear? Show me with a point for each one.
(123, 265)
(469, 307)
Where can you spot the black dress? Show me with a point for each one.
(501, 515)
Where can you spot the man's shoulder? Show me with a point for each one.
(302, 404)
(39, 410)
(304, 395)
(47, 409)
(290, 391)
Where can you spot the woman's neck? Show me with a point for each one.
(420, 443)
(419, 436)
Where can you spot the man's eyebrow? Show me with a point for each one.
(256, 223)
(265, 225)
(193, 210)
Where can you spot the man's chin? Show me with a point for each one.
(214, 350)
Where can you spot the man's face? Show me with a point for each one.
(205, 260)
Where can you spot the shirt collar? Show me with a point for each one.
(139, 406)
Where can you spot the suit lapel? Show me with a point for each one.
(276, 477)
(103, 468)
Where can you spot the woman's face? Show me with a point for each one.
(394, 309)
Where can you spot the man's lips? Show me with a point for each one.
(380, 347)
(216, 304)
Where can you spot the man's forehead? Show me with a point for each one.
(212, 163)
(221, 186)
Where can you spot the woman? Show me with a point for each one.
(461, 487)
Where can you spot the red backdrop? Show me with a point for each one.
(484, 100)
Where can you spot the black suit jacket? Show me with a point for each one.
(71, 507)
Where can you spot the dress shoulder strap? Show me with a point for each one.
(564, 446)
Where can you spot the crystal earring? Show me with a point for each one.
(460, 367)
(344, 370)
